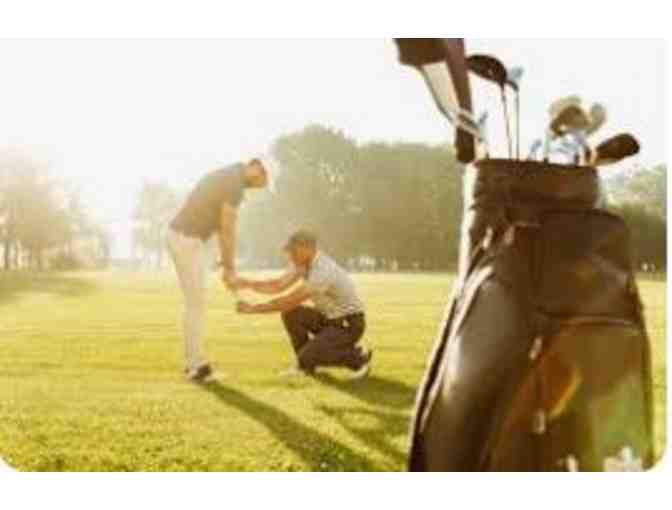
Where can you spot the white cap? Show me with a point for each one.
(272, 169)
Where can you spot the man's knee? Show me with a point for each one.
(308, 357)
(196, 301)
(293, 316)
(288, 316)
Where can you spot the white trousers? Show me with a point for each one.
(192, 258)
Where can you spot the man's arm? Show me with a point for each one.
(227, 241)
(279, 305)
(272, 286)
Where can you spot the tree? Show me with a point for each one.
(41, 218)
(641, 185)
(156, 205)
(41, 222)
(639, 196)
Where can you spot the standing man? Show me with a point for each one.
(211, 208)
(327, 334)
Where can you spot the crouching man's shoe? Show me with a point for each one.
(365, 369)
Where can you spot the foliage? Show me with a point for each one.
(156, 204)
(398, 205)
(640, 197)
(66, 262)
(392, 205)
(40, 217)
(647, 187)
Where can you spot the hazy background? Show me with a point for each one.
(109, 115)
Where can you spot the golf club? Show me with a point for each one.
(438, 79)
(566, 151)
(570, 148)
(534, 149)
(483, 130)
(583, 150)
(615, 149)
(570, 119)
(561, 104)
(513, 77)
(491, 69)
(598, 117)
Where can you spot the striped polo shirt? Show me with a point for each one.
(333, 291)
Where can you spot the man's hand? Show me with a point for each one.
(230, 279)
(242, 283)
(244, 307)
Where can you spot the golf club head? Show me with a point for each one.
(615, 149)
(513, 76)
(572, 118)
(491, 69)
(483, 129)
(487, 67)
(563, 103)
(534, 149)
(598, 117)
(450, 54)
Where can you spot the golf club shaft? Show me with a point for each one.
(506, 120)
(517, 125)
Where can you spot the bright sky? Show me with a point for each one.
(111, 113)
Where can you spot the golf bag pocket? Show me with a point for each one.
(583, 266)
(583, 404)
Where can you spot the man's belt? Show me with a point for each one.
(346, 321)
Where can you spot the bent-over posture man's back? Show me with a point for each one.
(211, 208)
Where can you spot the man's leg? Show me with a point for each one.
(334, 346)
(189, 258)
(300, 323)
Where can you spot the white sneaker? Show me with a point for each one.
(364, 371)
(201, 374)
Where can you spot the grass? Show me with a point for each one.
(90, 379)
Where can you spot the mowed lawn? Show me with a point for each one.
(91, 379)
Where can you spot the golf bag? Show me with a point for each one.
(542, 362)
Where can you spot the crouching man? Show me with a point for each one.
(327, 334)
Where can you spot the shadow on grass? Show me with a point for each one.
(14, 284)
(389, 425)
(374, 390)
(319, 451)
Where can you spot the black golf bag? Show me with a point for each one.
(542, 362)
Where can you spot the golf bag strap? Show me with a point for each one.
(461, 305)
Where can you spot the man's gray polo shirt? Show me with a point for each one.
(334, 293)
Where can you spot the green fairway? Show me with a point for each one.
(91, 379)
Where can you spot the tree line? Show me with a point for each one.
(399, 205)
(384, 206)
(640, 197)
(43, 223)
(381, 206)
(375, 206)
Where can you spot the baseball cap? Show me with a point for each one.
(301, 237)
